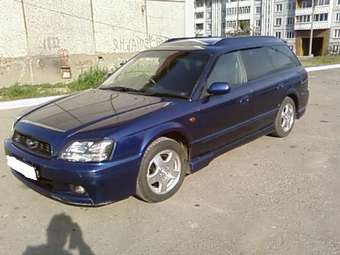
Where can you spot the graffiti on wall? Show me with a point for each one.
(136, 44)
(10, 66)
(51, 43)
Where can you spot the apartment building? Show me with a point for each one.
(209, 17)
(278, 19)
(247, 17)
(323, 17)
(287, 19)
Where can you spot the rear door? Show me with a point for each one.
(269, 74)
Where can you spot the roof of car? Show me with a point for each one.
(218, 43)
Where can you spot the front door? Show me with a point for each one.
(224, 119)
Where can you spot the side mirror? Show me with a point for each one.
(219, 88)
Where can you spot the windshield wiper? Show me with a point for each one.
(159, 94)
(121, 89)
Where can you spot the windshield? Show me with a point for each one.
(168, 73)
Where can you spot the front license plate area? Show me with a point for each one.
(22, 168)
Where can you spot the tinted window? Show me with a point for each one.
(228, 68)
(160, 72)
(282, 57)
(256, 62)
(261, 61)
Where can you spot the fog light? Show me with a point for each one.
(80, 190)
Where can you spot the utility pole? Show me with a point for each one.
(28, 44)
(237, 16)
(146, 18)
(311, 31)
(93, 28)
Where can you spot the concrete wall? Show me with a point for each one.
(37, 37)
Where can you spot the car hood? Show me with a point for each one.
(89, 108)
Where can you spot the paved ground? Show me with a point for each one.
(272, 196)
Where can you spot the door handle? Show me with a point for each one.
(244, 100)
(280, 86)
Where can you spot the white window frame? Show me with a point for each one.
(278, 24)
(278, 8)
(337, 16)
(336, 33)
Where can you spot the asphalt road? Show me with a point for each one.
(271, 196)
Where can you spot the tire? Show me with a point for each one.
(285, 118)
(158, 179)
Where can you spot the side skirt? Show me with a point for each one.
(204, 160)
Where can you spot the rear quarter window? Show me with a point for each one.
(282, 58)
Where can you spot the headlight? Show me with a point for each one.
(88, 151)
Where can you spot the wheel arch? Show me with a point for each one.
(174, 131)
(293, 95)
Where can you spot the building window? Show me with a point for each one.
(306, 4)
(290, 34)
(338, 2)
(278, 34)
(334, 50)
(245, 9)
(231, 24)
(337, 17)
(258, 23)
(199, 15)
(199, 3)
(337, 33)
(279, 7)
(321, 17)
(199, 26)
(303, 19)
(258, 9)
(242, 10)
(290, 21)
(321, 2)
(278, 22)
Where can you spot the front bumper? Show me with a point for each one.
(104, 182)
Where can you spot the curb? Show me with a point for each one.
(321, 68)
(36, 101)
(26, 102)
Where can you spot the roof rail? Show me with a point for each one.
(188, 38)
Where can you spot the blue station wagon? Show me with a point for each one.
(164, 114)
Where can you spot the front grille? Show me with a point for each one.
(32, 144)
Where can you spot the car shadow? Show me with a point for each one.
(61, 230)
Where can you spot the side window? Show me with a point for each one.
(256, 63)
(228, 68)
(283, 58)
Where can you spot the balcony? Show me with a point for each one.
(308, 10)
(316, 25)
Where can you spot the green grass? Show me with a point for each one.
(86, 80)
(322, 60)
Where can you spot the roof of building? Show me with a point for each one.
(218, 43)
